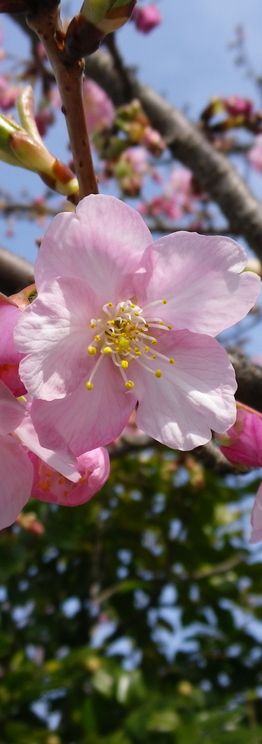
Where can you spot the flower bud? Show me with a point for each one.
(107, 15)
(96, 19)
(22, 146)
(242, 443)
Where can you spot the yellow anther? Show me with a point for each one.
(154, 341)
(137, 314)
(158, 373)
(164, 302)
(170, 327)
(124, 364)
(89, 385)
(97, 337)
(153, 356)
(92, 350)
(138, 353)
(107, 350)
(92, 323)
(146, 349)
(171, 360)
(110, 322)
(123, 344)
(132, 305)
(109, 304)
(129, 384)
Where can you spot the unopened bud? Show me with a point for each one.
(96, 19)
(107, 15)
(23, 146)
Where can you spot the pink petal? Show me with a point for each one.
(9, 356)
(86, 419)
(200, 277)
(54, 332)
(16, 478)
(194, 396)
(243, 442)
(94, 468)
(61, 460)
(102, 243)
(11, 411)
(256, 518)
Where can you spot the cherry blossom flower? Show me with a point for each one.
(50, 485)
(98, 107)
(147, 18)
(28, 469)
(178, 197)
(123, 323)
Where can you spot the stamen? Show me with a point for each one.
(158, 373)
(107, 350)
(124, 364)
(92, 350)
(123, 344)
(89, 384)
(154, 304)
(129, 384)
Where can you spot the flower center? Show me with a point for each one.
(125, 335)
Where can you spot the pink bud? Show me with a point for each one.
(146, 19)
(236, 105)
(242, 443)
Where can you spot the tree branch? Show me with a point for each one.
(15, 272)
(212, 170)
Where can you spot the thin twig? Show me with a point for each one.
(69, 78)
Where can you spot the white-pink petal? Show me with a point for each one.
(201, 278)
(194, 396)
(54, 333)
(11, 411)
(102, 243)
(16, 478)
(61, 459)
(86, 419)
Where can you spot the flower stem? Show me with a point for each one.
(69, 78)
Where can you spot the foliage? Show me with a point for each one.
(134, 618)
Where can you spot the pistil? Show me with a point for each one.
(124, 335)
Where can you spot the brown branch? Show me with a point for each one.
(69, 78)
(15, 272)
(249, 380)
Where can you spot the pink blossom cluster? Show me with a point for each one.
(119, 324)
(178, 197)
